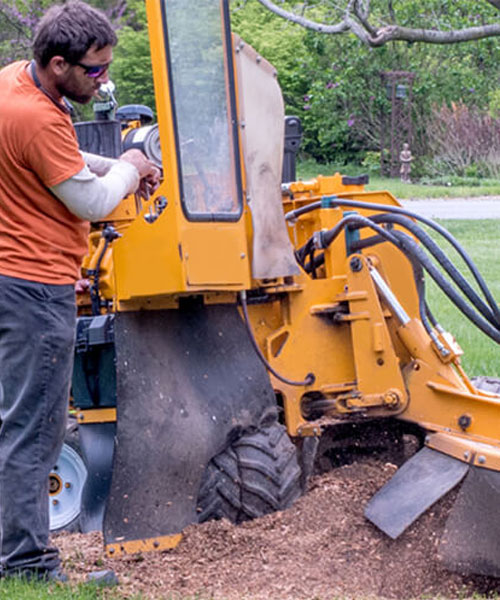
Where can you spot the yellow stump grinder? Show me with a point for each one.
(238, 328)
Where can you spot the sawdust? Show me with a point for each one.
(321, 548)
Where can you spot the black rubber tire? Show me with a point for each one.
(258, 474)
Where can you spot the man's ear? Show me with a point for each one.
(58, 65)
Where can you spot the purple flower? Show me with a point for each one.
(307, 98)
(472, 90)
(331, 85)
(350, 122)
(372, 98)
(307, 107)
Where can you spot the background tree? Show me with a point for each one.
(332, 82)
(377, 22)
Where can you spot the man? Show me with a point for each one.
(47, 196)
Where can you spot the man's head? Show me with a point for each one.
(73, 47)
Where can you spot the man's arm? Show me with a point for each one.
(92, 198)
(99, 165)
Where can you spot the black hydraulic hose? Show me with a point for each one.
(415, 253)
(423, 309)
(490, 311)
(333, 201)
(317, 262)
(409, 246)
(310, 377)
(358, 220)
(304, 250)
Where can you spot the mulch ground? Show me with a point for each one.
(320, 548)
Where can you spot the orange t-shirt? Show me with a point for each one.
(40, 239)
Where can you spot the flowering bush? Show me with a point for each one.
(464, 141)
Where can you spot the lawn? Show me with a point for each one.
(447, 189)
(20, 590)
(480, 240)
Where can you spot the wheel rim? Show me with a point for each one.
(66, 483)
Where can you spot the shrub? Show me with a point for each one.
(464, 141)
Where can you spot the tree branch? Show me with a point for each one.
(495, 3)
(431, 36)
(355, 20)
(339, 27)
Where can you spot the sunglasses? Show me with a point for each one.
(93, 71)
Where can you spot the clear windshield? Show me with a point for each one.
(204, 125)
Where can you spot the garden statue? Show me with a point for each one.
(405, 157)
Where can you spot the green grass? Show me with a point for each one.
(487, 187)
(407, 191)
(13, 589)
(480, 240)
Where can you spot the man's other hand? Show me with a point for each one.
(147, 169)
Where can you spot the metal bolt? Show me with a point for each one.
(242, 255)
(67, 485)
(55, 502)
(111, 550)
(466, 455)
(156, 544)
(464, 421)
(481, 459)
(427, 439)
(356, 264)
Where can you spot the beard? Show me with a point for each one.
(81, 98)
(71, 90)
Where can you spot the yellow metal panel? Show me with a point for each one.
(96, 415)
(215, 255)
(479, 454)
(157, 544)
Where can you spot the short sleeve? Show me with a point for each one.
(53, 154)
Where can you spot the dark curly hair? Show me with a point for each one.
(69, 30)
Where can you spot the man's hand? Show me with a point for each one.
(82, 286)
(148, 171)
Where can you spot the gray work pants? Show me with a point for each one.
(37, 333)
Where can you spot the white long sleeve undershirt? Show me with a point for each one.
(98, 188)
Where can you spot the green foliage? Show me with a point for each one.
(371, 162)
(131, 70)
(332, 82)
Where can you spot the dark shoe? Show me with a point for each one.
(105, 578)
(56, 575)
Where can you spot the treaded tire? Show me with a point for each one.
(257, 475)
